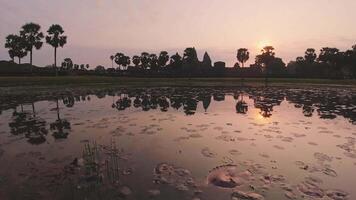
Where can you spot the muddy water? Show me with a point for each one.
(179, 143)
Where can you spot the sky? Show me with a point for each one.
(97, 29)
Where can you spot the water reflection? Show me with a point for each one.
(28, 124)
(194, 140)
(327, 103)
(61, 127)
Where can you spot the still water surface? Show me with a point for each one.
(179, 143)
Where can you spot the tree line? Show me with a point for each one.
(30, 38)
(329, 63)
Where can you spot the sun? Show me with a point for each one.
(263, 43)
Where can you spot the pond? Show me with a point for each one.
(243, 143)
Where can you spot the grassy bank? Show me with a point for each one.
(67, 81)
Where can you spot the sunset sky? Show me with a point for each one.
(98, 28)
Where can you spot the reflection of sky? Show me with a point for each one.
(98, 28)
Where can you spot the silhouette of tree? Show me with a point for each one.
(76, 67)
(99, 69)
(153, 62)
(310, 55)
(163, 58)
(329, 55)
(16, 47)
(269, 63)
(112, 57)
(56, 39)
(266, 56)
(145, 60)
(300, 60)
(119, 57)
(190, 55)
(126, 62)
(237, 65)
(32, 37)
(67, 64)
(176, 61)
(243, 55)
(136, 60)
(122, 60)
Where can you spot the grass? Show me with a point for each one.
(68, 81)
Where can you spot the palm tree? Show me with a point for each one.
(16, 47)
(310, 55)
(56, 39)
(265, 59)
(176, 61)
(112, 60)
(163, 58)
(243, 55)
(119, 57)
(153, 62)
(32, 37)
(145, 59)
(136, 60)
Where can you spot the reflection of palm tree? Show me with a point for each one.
(123, 103)
(137, 102)
(154, 102)
(308, 110)
(69, 101)
(60, 127)
(190, 106)
(146, 103)
(176, 101)
(34, 128)
(163, 103)
(241, 105)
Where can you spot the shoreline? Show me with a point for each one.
(49, 81)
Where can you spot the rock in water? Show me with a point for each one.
(225, 176)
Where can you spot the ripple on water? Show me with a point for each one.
(208, 153)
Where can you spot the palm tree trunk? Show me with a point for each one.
(31, 57)
(55, 60)
(31, 60)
